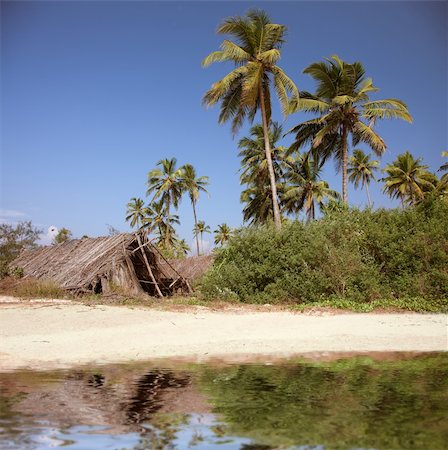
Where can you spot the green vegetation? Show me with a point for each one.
(344, 107)
(14, 239)
(347, 256)
(246, 89)
(408, 179)
(361, 171)
(222, 234)
(64, 235)
(349, 403)
(193, 185)
(167, 184)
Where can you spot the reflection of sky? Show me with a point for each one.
(197, 432)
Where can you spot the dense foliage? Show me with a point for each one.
(13, 239)
(350, 254)
(352, 403)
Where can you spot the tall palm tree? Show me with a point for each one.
(199, 229)
(254, 167)
(342, 101)
(408, 179)
(304, 186)
(165, 183)
(136, 212)
(193, 185)
(246, 89)
(258, 207)
(361, 170)
(222, 234)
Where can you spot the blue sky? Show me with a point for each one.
(95, 93)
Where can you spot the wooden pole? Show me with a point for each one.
(190, 289)
(151, 275)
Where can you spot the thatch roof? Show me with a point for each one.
(126, 260)
(190, 268)
(76, 263)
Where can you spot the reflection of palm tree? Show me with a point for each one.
(193, 185)
(361, 170)
(342, 100)
(201, 228)
(305, 188)
(408, 179)
(246, 89)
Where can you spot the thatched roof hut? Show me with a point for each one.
(127, 261)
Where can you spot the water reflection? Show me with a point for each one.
(348, 403)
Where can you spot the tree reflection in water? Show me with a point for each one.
(349, 403)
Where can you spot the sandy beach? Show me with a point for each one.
(55, 335)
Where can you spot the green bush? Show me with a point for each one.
(362, 256)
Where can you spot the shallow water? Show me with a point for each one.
(361, 402)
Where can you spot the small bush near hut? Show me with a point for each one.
(357, 256)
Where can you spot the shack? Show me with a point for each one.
(126, 261)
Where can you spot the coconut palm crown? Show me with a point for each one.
(255, 50)
(304, 186)
(361, 171)
(165, 183)
(136, 212)
(408, 179)
(222, 234)
(342, 101)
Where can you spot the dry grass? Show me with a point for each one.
(31, 288)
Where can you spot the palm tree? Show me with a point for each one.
(253, 156)
(342, 100)
(193, 185)
(444, 168)
(361, 170)
(166, 184)
(222, 234)
(305, 188)
(201, 228)
(181, 248)
(258, 207)
(408, 179)
(158, 219)
(136, 212)
(246, 89)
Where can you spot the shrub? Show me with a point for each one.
(362, 256)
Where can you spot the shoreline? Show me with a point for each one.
(60, 334)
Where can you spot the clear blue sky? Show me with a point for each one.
(95, 93)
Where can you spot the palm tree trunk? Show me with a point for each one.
(195, 224)
(368, 195)
(167, 237)
(344, 164)
(267, 147)
(202, 241)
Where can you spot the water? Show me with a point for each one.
(362, 402)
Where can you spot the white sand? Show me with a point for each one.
(41, 336)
